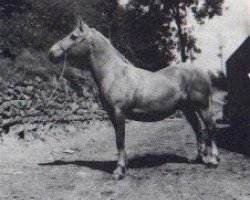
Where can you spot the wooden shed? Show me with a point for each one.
(238, 73)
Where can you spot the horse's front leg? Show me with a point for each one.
(118, 121)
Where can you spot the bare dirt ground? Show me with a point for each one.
(75, 162)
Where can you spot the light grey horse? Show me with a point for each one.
(128, 92)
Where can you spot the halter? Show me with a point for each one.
(82, 38)
(64, 62)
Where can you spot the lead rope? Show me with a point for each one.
(54, 90)
(60, 77)
(49, 100)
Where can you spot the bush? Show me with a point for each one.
(38, 24)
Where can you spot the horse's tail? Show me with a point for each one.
(217, 79)
(210, 92)
(212, 77)
(210, 98)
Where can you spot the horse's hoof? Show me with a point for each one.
(207, 160)
(119, 173)
(118, 177)
(213, 162)
(199, 159)
(212, 165)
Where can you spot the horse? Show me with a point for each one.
(127, 92)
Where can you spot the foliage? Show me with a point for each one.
(38, 24)
(150, 33)
(155, 30)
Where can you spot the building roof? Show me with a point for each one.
(242, 53)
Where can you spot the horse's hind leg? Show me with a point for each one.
(194, 121)
(118, 121)
(213, 157)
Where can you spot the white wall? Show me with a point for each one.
(229, 30)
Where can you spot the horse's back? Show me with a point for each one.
(183, 69)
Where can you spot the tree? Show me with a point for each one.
(151, 33)
(156, 29)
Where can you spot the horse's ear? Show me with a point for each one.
(80, 22)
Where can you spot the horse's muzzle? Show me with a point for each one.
(55, 57)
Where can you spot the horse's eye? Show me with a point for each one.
(73, 37)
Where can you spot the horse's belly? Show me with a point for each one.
(149, 115)
(154, 102)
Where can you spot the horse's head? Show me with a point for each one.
(72, 43)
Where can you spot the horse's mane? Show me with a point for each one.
(122, 57)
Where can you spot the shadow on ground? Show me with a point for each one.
(145, 161)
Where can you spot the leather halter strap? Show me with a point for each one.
(83, 38)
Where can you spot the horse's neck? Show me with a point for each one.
(104, 58)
